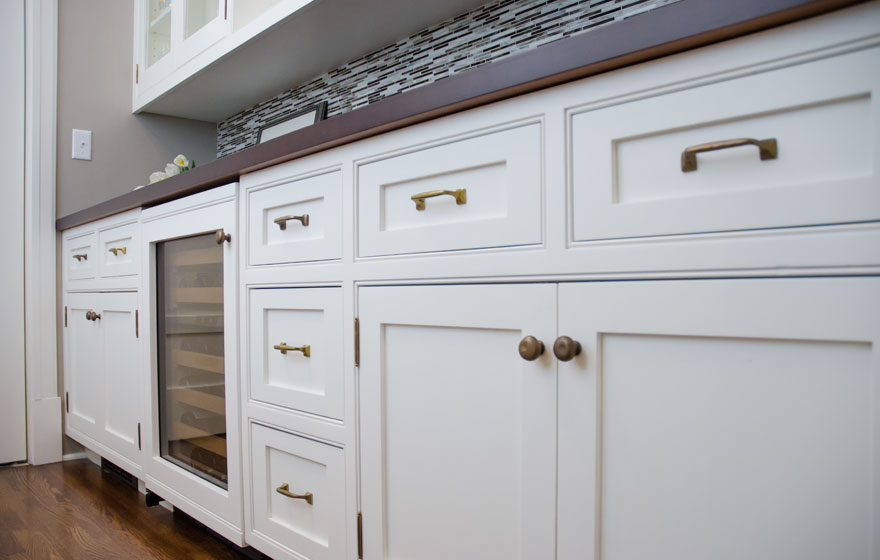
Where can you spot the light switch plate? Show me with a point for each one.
(82, 144)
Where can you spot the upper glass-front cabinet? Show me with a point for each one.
(173, 32)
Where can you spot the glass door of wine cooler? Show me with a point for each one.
(191, 370)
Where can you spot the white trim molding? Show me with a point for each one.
(41, 363)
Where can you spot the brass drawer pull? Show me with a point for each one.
(530, 348)
(117, 250)
(81, 257)
(459, 194)
(767, 149)
(220, 236)
(284, 490)
(282, 221)
(92, 316)
(306, 349)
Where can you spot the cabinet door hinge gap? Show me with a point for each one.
(137, 73)
(360, 530)
(67, 401)
(357, 342)
(137, 333)
(139, 436)
(65, 316)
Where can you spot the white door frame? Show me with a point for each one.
(41, 312)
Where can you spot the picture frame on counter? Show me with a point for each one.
(292, 122)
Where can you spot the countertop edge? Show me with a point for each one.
(666, 30)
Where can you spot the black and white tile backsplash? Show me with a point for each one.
(488, 33)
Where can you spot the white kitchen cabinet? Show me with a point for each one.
(296, 349)
(720, 419)
(102, 375)
(192, 442)
(458, 432)
(170, 32)
(103, 255)
(696, 419)
(299, 489)
(789, 147)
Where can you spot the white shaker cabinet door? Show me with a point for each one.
(121, 355)
(721, 419)
(458, 431)
(83, 367)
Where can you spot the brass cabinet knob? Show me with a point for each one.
(222, 236)
(566, 349)
(530, 348)
(92, 316)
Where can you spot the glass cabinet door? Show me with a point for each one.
(158, 30)
(191, 371)
(199, 13)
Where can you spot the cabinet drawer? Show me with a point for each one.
(117, 248)
(498, 175)
(298, 220)
(293, 527)
(80, 256)
(308, 378)
(628, 162)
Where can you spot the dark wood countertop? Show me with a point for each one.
(670, 29)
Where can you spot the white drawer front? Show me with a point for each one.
(309, 226)
(117, 248)
(500, 174)
(627, 159)
(80, 257)
(301, 467)
(297, 318)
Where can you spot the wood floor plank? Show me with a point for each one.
(71, 510)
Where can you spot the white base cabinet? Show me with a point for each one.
(720, 419)
(102, 379)
(457, 431)
(698, 419)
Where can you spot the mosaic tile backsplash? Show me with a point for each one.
(488, 33)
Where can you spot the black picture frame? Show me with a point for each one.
(275, 128)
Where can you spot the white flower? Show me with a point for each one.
(171, 170)
(181, 161)
(157, 176)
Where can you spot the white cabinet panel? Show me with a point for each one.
(499, 180)
(720, 419)
(299, 220)
(83, 371)
(311, 526)
(118, 250)
(79, 256)
(296, 349)
(457, 430)
(102, 375)
(121, 354)
(627, 167)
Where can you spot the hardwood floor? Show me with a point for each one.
(72, 510)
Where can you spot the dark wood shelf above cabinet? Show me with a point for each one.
(670, 29)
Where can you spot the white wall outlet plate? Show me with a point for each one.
(82, 144)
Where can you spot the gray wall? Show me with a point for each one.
(94, 93)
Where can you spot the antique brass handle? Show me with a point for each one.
(284, 490)
(566, 349)
(81, 257)
(530, 348)
(282, 221)
(221, 236)
(92, 316)
(459, 194)
(767, 149)
(305, 349)
(117, 250)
